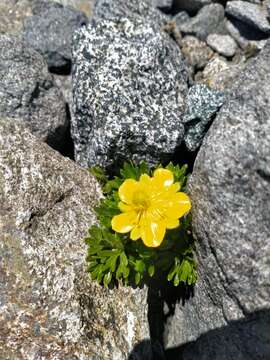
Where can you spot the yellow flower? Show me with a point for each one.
(150, 206)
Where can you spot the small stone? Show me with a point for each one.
(163, 4)
(180, 18)
(251, 14)
(202, 104)
(64, 83)
(244, 35)
(190, 5)
(219, 74)
(85, 6)
(50, 31)
(210, 19)
(223, 44)
(196, 52)
(28, 92)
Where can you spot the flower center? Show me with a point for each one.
(141, 199)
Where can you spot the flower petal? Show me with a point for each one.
(178, 205)
(163, 177)
(125, 222)
(153, 233)
(135, 233)
(172, 223)
(124, 207)
(126, 190)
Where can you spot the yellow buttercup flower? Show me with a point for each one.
(150, 206)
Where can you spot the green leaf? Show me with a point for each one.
(151, 270)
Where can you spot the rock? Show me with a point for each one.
(163, 4)
(202, 104)
(219, 74)
(13, 14)
(28, 92)
(223, 44)
(210, 19)
(231, 200)
(134, 9)
(85, 6)
(244, 35)
(129, 87)
(196, 52)
(190, 5)
(50, 308)
(251, 14)
(180, 18)
(50, 31)
(65, 85)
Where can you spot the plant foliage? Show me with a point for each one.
(113, 257)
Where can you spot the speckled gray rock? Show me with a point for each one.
(49, 307)
(210, 19)
(28, 92)
(202, 104)
(251, 14)
(64, 82)
(223, 44)
(196, 52)
(134, 9)
(180, 18)
(50, 31)
(230, 311)
(190, 5)
(129, 87)
(219, 74)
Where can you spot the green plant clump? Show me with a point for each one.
(113, 257)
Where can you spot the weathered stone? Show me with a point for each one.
(85, 6)
(219, 74)
(180, 18)
(223, 44)
(230, 311)
(13, 14)
(196, 52)
(28, 92)
(49, 307)
(244, 35)
(65, 85)
(163, 4)
(251, 14)
(134, 9)
(190, 5)
(50, 31)
(210, 19)
(129, 86)
(202, 104)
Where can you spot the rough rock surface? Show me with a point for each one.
(86, 6)
(13, 14)
(210, 19)
(202, 104)
(190, 5)
(244, 36)
(223, 44)
(196, 52)
(28, 92)
(251, 14)
(219, 74)
(49, 308)
(230, 311)
(134, 9)
(50, 31)
(129, 86)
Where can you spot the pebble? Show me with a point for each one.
(223, 44)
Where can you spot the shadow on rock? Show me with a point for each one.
(245, 339)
